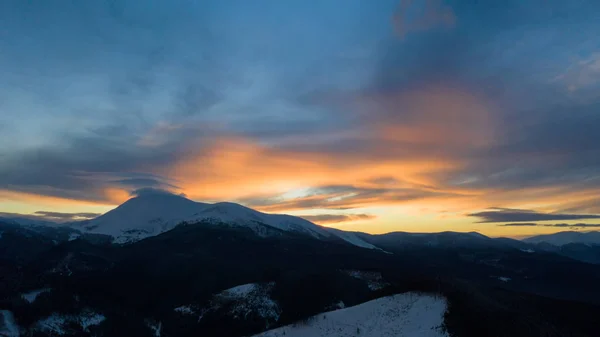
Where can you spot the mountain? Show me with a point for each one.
(227, 270)
(152, 214)
(28, 222)
(395, 241)
(563, 238)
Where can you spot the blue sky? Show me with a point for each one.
(369, 115)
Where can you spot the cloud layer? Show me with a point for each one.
(413, 111)
(503, 215)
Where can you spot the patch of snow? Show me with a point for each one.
(528, 250)
(74, 236)
(374, 280)
(32, 295)
(504, 278)
(239, 291)
(185, 310)
(8, 326)
(58, 324)
(155, 327)
(340, 305)
(409, 314)
(248, 299)
(54, 324)
(89, 319)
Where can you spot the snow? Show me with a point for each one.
(252, 299)
(403, 315)
(142, 217)
(504, 278)
(374, 280)
(53, 324)
(528, 250)
(150, 215)
(32, 295)
(8, 326)
(239, 291)
(58, 324)
(74, 236)
(155, 327)
(185, 310)
(90, 319)
(351, 238)
(248, 299)
(340, 305)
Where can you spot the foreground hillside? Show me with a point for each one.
(408, 314)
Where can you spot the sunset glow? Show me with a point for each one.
(345, 115)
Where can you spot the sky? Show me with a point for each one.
(376, 116)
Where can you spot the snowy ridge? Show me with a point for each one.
(150, 215)
(351, 238)
(403, 315)
(241, 302)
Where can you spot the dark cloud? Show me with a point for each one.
(148, 191)
(51, 216)
(66, 216)
(517, 215)
(564, 225)
(384, 181)
(336, 218)
(83, 166)
(144, 182)
(519, 224)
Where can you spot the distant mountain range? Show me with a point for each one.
(567, 237)
(156, 213)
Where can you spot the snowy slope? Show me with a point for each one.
(351, 237)
(563, 238)
(403, 315)
(153, 214)
(234, 213)
(142, 217)
(8, 326)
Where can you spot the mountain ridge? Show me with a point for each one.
(152, 214)
(566, 237)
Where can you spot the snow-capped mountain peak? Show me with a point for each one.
(142, 216)
(152, 214)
